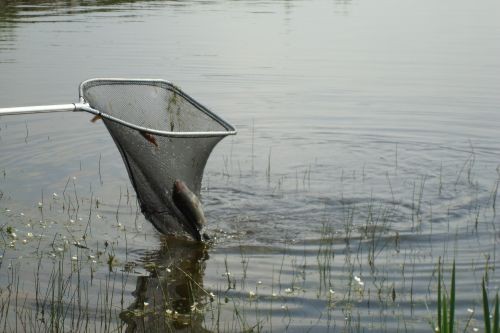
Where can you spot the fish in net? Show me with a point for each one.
(165, 160)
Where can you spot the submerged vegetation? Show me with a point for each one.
(357, 272)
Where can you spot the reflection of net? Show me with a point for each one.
(155, 161)
(175, 295)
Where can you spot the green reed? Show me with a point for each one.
(486, 311)
(445, 304)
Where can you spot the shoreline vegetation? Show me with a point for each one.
(83, 293)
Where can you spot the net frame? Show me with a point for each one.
(85, 85)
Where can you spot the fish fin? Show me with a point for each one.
(96, 118)
(150, 138)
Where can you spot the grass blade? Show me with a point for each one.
(452, 299)
(486, 310)
(445, 317)
(439, 325)
(496, 318)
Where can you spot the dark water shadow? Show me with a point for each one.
(171, 298)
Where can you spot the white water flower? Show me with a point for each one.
(358, 280)
(71, 221)
(54, 195)
(251, 294)
(29, 235)
(259, 282)
(25, 241)
(469, 310)
(22, 214)
(194, 307)
(274, 295)
(146, 304)
(331, 291)
(40, 204)
(74, 258)
(288, 290)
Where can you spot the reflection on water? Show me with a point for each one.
(23, 11)
(171, 297)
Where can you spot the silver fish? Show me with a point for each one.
(189, 205)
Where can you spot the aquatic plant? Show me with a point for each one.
(486, 311)
(445, 304)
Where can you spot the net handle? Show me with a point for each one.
(38, 109)
(86, 108)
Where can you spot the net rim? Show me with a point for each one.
(84, 106)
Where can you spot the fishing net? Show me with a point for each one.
(163, 135)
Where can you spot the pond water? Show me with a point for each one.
(367, 149)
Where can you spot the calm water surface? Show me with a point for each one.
(368, 147)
